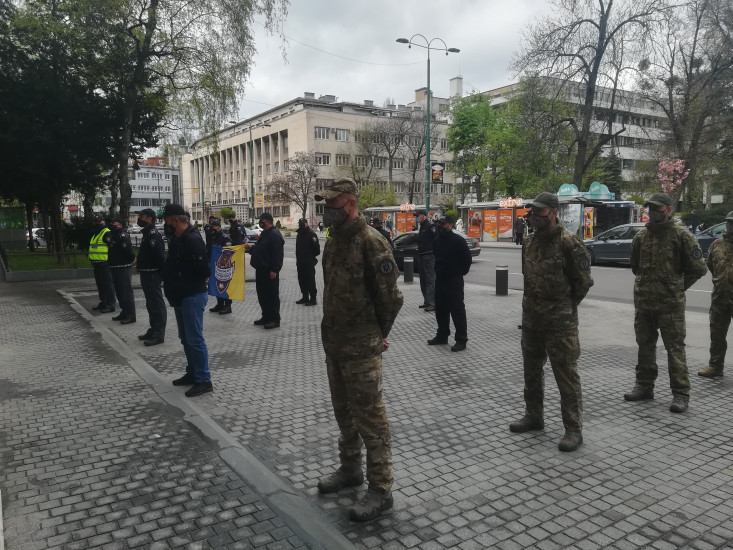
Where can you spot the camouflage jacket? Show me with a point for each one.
(667, 260)
(360, 298)
(720, 264)
(556, 268)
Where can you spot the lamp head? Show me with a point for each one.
(453, 50)
(403, 41)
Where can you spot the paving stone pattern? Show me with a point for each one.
(92, 458)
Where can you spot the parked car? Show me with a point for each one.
(406, 245)
(706, 238)
(614, 245)
(251, 235)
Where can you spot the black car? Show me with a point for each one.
(406, 245)
(706, 238)
(614, 245)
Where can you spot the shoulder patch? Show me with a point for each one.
(697, 252)
(584, 262)
(152, 242)
(315, 239)
(386, 267)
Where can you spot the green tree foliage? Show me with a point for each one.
(226, 213)
(374, 194)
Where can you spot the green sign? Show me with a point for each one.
(160, 212)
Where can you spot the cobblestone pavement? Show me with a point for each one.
(645, 478)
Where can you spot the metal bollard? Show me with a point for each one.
(502, 280)
(409, 269)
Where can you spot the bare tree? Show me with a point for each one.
(297, 184)
(389, 134)
(581, 48)
(416, 152)
(364, 160)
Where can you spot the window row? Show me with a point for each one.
(339, 134)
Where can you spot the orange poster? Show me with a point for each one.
(401, 222)
(490, 224)
(506, 223)
(474, 223)
(520, 212)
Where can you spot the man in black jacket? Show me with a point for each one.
(267, 259)
(452, 262)
(219, 238)
(150, 260)
(236, 231)
(185, 280)
(307, 248)
(426, 236)
(209, 233)
(120, 261)
(377, 224)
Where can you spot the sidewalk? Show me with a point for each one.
(89, 448)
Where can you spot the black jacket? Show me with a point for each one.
(219, 238)
(186, 270)
(385, 234)
(268, 253)
(425, 237)
(236, 232)
(452, 256)
(121, 253)
(307, 247)
(151, 256)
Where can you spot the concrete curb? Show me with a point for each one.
(290, 505)
(2, 536)
(48, 275)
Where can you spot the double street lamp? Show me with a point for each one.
(428, 46)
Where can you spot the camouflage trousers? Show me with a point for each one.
(647, 325)
(356, 395)
(563, 349)
(721, 312)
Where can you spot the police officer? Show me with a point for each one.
(219, 238)
(426, 236)
(236, 231)
(667, 260)
(378, 226)
(307, 248)
(150, 260)
(121, 256)
(99, 256)
(360, 303)
(267, 259)
(556, 268)
(452, 262)
(720, 264)
(209, 233)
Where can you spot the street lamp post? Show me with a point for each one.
(428, 46)
(252, 171)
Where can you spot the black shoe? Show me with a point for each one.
(100, 305)
(429, 308)
(107, 310)
(423, 306)
(128, 321)
(260, 322)
(273, 324)
(118, 317)
(147, 336)
(153, 341)
(225, 310)
(199, 388)
(302, 300)
(185, 380)
(458, 346)
(311, 303)
(217, 308)
(437, 341)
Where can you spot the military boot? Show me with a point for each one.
(526, 424)
(571, 441)
(303, 300)
(371, 505)
(710, 372)
(225, 309)
(340, 479)
(639, 393)
(217, 308)
(679, 404)
(311, 302)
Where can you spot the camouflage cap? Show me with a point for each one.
(338, 187)
(660, 199)
(545, 200)
(729, 216)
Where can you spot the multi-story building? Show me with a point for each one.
(225, 174)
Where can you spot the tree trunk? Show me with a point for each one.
(87, 203)
(29, 221)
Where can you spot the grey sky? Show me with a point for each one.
(487, 32)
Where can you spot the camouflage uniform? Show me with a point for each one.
(556, 268)
(666, 260)
(720, 263)
(360, 303)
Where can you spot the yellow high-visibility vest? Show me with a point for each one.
(98, 249)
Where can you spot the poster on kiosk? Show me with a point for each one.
(491, 225)
(474, 223)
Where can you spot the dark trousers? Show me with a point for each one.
(449, 303)
(307, 281)
(223, 302)
(268, 295)
(427, 277)
(152, 282)
(105, 286)
(122, 279)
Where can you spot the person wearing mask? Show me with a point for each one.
(150, 261)
(667, 260)
(307, 248)
(556, 269)
(236, 231)
(121, 257)
(518, 230)
(720, 264)
(185, 281)
(219, 238)
(360, 303)
(385, 234)
(267, 260)
(99, 257)
(426, 257)
(452, 263)
(209, 233)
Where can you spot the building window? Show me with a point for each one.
(285, 211)
(269, 169)
(342, 135)
(286, 166)
(321, 184)
(277, 167)
(342, 160)
(323, 159)
(259, 170)
(443, 143)
(275, 211)
(319, 209)
(628, 164)
(361, 162)
(321, 132)
(398, 163)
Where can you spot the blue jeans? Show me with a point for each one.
(190, 320)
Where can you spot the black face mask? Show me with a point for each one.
(168, 230)
(141, 223)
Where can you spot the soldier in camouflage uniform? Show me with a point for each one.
(667, 260)
(720, 264)
(360, 303)
(556, 268)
